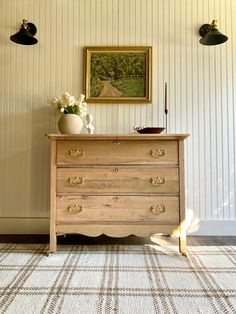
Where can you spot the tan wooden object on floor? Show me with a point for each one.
(117, 185)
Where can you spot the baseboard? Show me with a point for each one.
(24, 225)
(41, 226)
(213, 228)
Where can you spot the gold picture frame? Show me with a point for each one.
(118, 74)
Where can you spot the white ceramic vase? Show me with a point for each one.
(70, 124)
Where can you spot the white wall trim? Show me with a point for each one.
(41, 226)
(215, 228)
(24, 225)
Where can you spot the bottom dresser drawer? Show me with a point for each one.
(75, 209)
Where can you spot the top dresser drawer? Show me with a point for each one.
(117, 152)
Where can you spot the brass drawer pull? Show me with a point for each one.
(74, 209)
(76, 152)
(75, 180)
(157, 153)
(158, 209)
(116, 170)
(157, 180)
(116, 142)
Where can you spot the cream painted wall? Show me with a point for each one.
(201, 92)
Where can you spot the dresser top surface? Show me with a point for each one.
(132, 136)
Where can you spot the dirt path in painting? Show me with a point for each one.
(108, 90)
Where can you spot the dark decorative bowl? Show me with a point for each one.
(149, 130)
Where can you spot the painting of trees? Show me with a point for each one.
(118, 74)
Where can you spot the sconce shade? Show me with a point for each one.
(211, 35)
(25, 36)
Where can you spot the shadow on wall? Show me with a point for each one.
(24, 180)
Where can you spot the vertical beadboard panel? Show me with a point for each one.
(230, 11)
(201, 91)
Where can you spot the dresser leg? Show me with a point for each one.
(53, 243)
(182, 244)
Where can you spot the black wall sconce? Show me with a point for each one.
(25, 36)
(211, 35)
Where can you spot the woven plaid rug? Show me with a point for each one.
(87, 279)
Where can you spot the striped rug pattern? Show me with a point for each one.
(145, 279)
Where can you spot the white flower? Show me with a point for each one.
(67, 100)
(81, 98)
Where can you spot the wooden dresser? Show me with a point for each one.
(117, 185)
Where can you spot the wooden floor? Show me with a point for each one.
(80, 239)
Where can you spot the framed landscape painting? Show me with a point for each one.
(117, 74)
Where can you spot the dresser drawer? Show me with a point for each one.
(84, 208)
(117, 152)
(117, 180)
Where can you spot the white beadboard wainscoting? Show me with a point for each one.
(201, 97)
